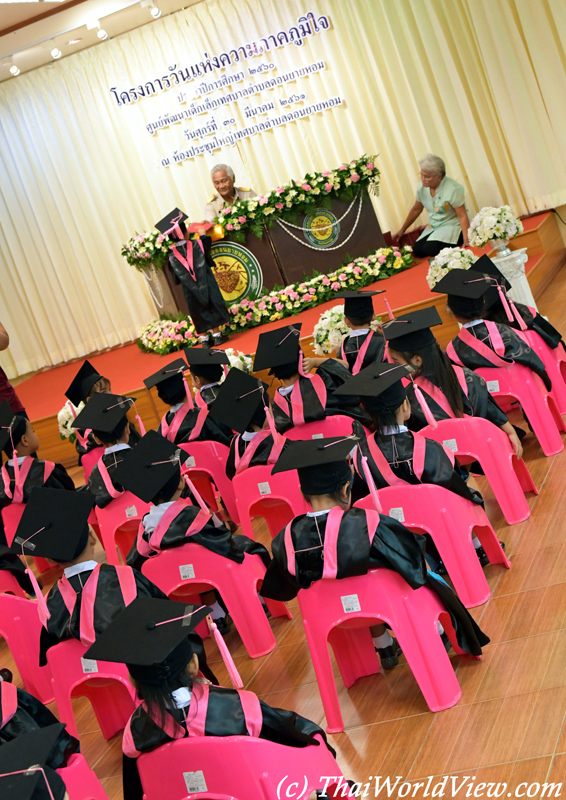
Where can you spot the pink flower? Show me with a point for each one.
(381, 259)
(326, 281)
(249, 316)
(279, 190)
(306, 187)
(289, 290)
(354, 177)
(357, 270)
(328, 187)
(370, 165)
(241, 220)
(306, 298)
(187, 335)
(228, 209)
(342, 167)
(279, 306)
(245, 303)
(342, 276)
(397, 254)
(351, 264)
(229, 227)
(312, 290)
(302, 287)
(252, 303)
(294, 296)
(234, 310)
(326, 173)
(160, 238)
(262, 306)
(279, 205)
(335, 286)
(262, 200)
(141, 239)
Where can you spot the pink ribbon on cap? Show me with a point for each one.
(176, 227)
(388, 307)
(42, 609)
(371, 485)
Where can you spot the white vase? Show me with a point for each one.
(501, 246)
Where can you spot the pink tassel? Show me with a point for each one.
(504, 302)
(270, 419)
(189, 394)
(301, 370)
(517, 315)
(71, 406)
(226, 369)
(194, 490)
(371, 484)
(140, 423)
(237, 682)
(388, 307)
(42, 609)
(424, 405)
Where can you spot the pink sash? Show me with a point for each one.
(419, 450)
(170, 430)
(201, 419)
(188, 262)
(200, 401)
(9, 702)
(107, 481)
(48, 468)
(296, 400)
(438, 396)
(170, 515)
(482, 349)
(361, 353)
(242, 462)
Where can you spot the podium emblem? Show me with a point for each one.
(321, 228)
(237, 271)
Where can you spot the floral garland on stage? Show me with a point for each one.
(449, 258)
(164, 336)
(297, 198)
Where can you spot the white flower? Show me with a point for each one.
(449, 258)
(65, 418)
(330, 331)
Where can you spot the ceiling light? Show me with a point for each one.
(74, 41)
(155, 12)
(102, 35)
(14, 70)
(56, 53)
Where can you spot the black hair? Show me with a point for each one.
(438, 368)
(381, 417)
(112, 437)
(172, 390)
(258, 418)
(167, 491)
(19, 428)
(285, 371)
(361, 322)
(335, 495)
(98, 386)
(208, 372)
(467, 308)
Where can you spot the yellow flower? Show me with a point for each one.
(288, 305)
(275, 316)
(398, 263)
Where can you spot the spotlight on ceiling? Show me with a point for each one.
(155, 12)
(56, 53)
(15, 70)
(102, 35)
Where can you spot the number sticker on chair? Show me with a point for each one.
(187, 571)
(89, 665)
(317, 436)
(350, 603)
(190, 462)
(264, 488)
(131, 511)
(195, 782)
(397, 513)
(493, 386)
(451, 444)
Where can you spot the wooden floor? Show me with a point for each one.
(509, 725)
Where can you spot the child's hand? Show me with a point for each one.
(312, 363)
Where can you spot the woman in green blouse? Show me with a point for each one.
(443, 199)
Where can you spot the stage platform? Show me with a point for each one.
(127, 366)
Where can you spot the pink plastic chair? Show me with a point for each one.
(237, 584)
(80, 780)
(525, 386)
(555, 362)
(118, 525)
(451, 521)
(383, 595)
(237, 768)
(105, 684)
(209, 458)
(11, 516)
(478, 439)
(20, 626)
(90, 459)
(338, 425)
(10, 585)
(277, 498)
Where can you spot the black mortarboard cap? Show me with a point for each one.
(374, 380)
(463, 283)
(167, 372)
(82, 383)
(25, 751)
(10, 422)
(278, 347)
(201, 356)
(485, 265)
(321, 463)
(134, 637)
(412, 330)
(358, 304)
(103, 412)
(169, 220)
(54, 524)
(238, 400)
(149, 466)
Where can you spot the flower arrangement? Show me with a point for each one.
(492, 223)
(167, 335)
(331, 329)
(65, 418)
(447, 259)
(147, 249)
(238, 360)
(299, 197)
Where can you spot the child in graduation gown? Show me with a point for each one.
(161, 652)
(303, 397)
(86, 383)
(482, 343)
(449, 391)
(25, 766)
(363, 540)
(363, 346)
(21, 713)
(89, 595)
(186, 421)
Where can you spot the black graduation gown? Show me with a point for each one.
(535, 322)
(209, 394)
(352, 345)
(59, 479)
(108, 604)
(12, 563)
(399, 448)
(477, 403)
(516, 350)
(334, 374)
(91, 444)
(211, 431)
(95, 483)
(207, 307)
(393, 547)
(31, 715)
(259, 459)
